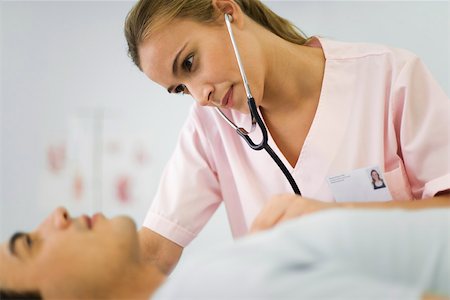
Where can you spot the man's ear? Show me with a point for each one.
(231, 8)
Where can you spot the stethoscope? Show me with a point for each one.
(256, 118)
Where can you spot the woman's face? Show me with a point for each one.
(66, 256)
(194, 58)
(375, 175)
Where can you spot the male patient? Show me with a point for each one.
(335, 254)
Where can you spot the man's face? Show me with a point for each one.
(69, 256)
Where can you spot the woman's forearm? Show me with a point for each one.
(442, 200)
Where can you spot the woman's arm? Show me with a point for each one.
(159, 250)
(434, 297)
(440, 200)
(288, 206)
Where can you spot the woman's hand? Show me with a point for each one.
(284, 207)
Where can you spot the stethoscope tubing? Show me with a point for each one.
(283, 169)
(256, 118)
(238, 57)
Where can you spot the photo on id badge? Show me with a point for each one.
(375, 178)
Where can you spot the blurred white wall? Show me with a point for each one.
(62, 60)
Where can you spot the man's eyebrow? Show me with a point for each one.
(175, 65)
(12, 242)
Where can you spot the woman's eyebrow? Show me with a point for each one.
(175, 66)
(13, 240)
(175, 61)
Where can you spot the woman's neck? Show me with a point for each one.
(294, 76)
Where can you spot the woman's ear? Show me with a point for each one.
(231, 8)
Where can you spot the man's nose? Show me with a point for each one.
(61, 218)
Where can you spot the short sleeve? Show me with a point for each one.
(188, 193)
(421, 116)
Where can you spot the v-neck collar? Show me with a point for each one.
(325, 135)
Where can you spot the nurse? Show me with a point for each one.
(331, 109)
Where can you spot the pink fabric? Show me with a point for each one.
(378, 107)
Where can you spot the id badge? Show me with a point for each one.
(360, 185)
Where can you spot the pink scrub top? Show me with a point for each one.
(378, 106)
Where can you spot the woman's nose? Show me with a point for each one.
(204, 95)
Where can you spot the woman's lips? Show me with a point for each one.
(227, 100)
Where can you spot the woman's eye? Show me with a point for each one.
(180, 89)
(187, 63)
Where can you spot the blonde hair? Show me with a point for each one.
(147, 15)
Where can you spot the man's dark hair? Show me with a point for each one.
(9, 294)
